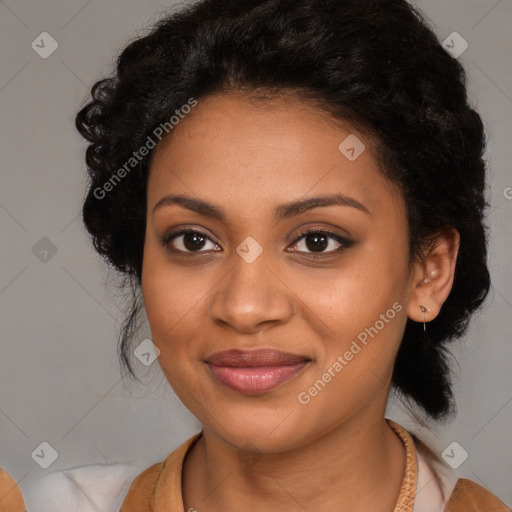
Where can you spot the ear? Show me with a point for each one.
(432, 278)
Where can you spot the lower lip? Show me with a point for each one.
(253, 381)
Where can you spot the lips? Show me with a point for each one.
(256, 371)
(254, 358)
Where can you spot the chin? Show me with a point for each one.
(265, 435)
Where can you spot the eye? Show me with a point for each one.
(318, 242)
(187, 241)
(321, 242)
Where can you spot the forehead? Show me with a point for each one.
(263, 152)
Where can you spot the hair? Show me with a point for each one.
(373, 63)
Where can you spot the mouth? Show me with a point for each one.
(256, 371)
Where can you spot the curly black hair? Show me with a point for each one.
(374, 63)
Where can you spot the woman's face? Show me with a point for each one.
(250, 280)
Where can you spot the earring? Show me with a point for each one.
(424, 309)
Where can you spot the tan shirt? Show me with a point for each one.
(428, 486)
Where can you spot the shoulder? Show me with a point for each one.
(162, 478)
(439, 489)
(11, 499)
(85, 488)
(468, 496)
(140, 493)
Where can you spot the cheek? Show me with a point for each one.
(356, 369)
(364, 304)
(173, 322)
(354, 296)
(175, 301)
(169, 298)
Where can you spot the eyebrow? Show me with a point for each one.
(281, 212)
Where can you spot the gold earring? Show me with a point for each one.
(424, 309)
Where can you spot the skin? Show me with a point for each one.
(337, 452)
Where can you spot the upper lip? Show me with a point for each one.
(251, 358)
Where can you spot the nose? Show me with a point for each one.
(251, 297)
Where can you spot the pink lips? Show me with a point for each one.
(256, 371)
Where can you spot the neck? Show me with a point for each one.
(359, 466)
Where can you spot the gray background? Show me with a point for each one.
(59, 375)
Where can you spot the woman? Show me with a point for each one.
(295, 191)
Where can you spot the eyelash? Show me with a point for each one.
(345, 242)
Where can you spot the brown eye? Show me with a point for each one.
(321, 242)
(187, 240)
